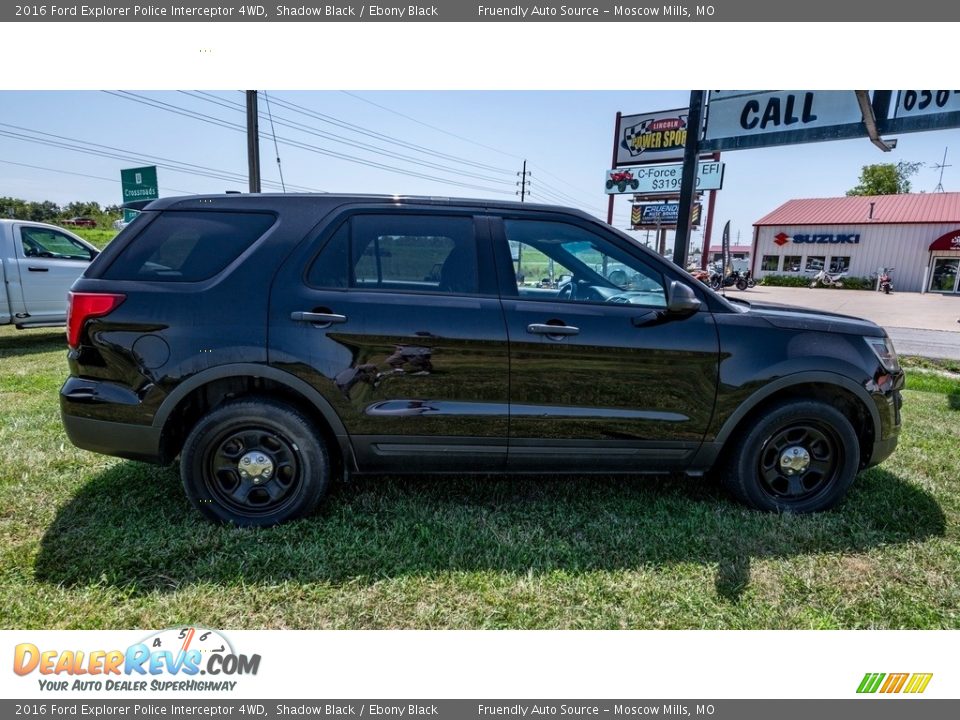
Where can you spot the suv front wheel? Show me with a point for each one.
(799, 456)
(254, 462)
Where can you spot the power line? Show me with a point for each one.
(276, 149)
(65, 143)
(565, 182)
(312, 148)
(125, 153)
(459, 137)
(432, 127)
(560, 193)
(309, 130)
(85, 175)
(293, 107)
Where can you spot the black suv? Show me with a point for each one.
(276, 342)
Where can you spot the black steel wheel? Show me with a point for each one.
(799, 456)
(254, 462)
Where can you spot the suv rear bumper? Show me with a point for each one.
(134, 442)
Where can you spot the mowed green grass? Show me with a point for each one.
(95, 542)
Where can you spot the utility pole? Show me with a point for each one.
(523, 182)
(691, 153)
(253, 142)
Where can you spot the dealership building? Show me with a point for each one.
(917, 234)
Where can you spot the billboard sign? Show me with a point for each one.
(911, 103)
(662, 178)
(651, 137)
(760, 118)
(660, 215)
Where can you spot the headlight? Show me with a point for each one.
(883, 348)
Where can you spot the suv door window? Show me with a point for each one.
(572, 264)
(46, 243)
(401, 253)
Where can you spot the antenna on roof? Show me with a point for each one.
(940, 166)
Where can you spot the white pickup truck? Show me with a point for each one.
(38, 264)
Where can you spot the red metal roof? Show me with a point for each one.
(887, 209)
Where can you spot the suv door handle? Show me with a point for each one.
(37, 269)
(544, 329)
(318, 318)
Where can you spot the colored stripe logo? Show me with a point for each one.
(913, 683)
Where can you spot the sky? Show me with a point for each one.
(455, 143)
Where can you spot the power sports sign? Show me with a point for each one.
(651, 137)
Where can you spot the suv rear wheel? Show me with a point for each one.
(254, 462)
(800, 456)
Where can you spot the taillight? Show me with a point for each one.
(83, 306)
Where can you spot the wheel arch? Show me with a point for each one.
(852, 399)
(193, 397)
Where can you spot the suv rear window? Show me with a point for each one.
(188, 246)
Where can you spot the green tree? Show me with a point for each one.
(885, 178)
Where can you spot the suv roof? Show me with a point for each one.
(248, 200)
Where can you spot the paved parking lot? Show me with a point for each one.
(919, 324)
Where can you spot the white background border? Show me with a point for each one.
(455, 56)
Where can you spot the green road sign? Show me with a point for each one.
(139, 183)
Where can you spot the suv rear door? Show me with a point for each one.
(601, 377)
(393, 315)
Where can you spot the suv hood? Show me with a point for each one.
(786, 316)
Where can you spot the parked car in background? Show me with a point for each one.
(81, 222)
(38, 264)
(275, 343)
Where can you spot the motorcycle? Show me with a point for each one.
(735, 279)
(886, 281)
(828, 279)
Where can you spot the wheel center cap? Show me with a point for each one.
(794, 459)
(255, 465)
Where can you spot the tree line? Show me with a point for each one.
(50, 212)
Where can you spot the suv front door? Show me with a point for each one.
(394, 318)
(600, 374)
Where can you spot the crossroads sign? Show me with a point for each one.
(138, 184)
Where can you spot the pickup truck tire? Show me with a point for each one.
(800, 456)
(254, 463)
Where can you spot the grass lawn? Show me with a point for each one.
(97, 236)
(95, 542)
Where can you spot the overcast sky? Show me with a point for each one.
(469, 143)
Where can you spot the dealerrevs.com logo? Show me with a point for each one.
(179, 659)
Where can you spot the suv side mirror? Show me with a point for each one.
(681, 300)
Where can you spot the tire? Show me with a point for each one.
(622, 187)
(753, 471)
(609, 184)
(250, 429)
(741, 284)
